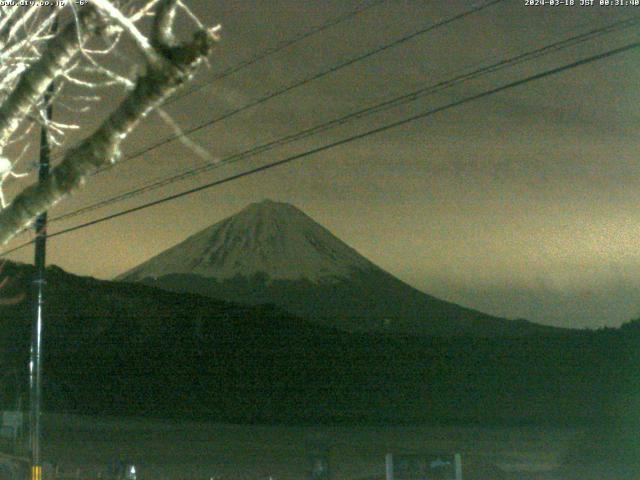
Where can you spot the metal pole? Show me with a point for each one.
(35, 379)
(35, 365)
(389, 466)
(457, 461)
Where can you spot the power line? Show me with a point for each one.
(335, 68)
(268, 52)
(275, 49)
(305, 81)
(389, 126)
(397, 101)
(406, 38)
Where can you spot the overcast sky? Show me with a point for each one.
(523, 204)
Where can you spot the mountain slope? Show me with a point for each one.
(272, 252)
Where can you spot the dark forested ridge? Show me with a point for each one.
(372, 301)
(122, 349)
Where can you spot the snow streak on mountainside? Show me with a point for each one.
(269, 238)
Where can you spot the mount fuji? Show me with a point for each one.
(271, 252)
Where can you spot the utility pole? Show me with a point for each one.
(35, 364)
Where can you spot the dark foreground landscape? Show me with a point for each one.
(166, 450)
(119, 350)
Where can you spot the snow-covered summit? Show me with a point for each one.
(272, 238)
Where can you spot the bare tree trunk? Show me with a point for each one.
(33, 84)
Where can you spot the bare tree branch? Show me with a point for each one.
(161, 79)
(35, 81)
(143, 43)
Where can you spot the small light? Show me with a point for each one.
(131, 472)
